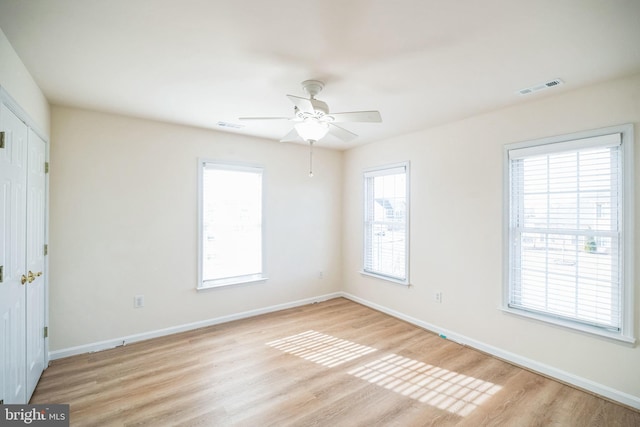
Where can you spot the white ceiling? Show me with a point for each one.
(419, 62)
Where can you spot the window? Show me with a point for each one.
(230, 232)
(569, 242)
(386, 220)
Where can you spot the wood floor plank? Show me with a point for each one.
(336, 363)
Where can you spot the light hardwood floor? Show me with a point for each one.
(336, 363)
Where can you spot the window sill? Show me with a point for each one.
(574, 326)
(231, 281)
(385, 278)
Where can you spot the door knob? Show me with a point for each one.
(31, 276)
(23, 279)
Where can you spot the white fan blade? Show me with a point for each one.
(291, 136)
(342, 133)
(264, 118)
(357, 116)
(303, 104)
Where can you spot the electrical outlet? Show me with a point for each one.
(438, 297)
(138, 301)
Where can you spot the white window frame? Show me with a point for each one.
(380, 171)
(227, 281)
(626, 217)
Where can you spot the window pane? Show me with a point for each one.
(232, 223)
(386, 222)
(564, 214)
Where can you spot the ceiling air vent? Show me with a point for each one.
(541, 86)
(229, 125)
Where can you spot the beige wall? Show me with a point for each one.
(17, 81)
(456, 230)
(124, 223)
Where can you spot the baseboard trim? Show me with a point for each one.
(541, 368)
(117, 342)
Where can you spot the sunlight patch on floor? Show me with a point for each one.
(320, 348)
(444, 389)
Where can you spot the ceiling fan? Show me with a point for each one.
(312, 118)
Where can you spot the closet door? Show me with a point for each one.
(35, 298)
(13, 191)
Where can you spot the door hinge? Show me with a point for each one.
(1, 273)
(2, 137)
(46, 332)
(46, 250)
(46, 167)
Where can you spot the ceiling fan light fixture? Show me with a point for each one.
(311, 129)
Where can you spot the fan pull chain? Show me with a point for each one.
(311, 141)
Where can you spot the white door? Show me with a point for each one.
(35, 300)
(13, 164)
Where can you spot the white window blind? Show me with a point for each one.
(386, 214)
(566, 231)
(231, 224)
